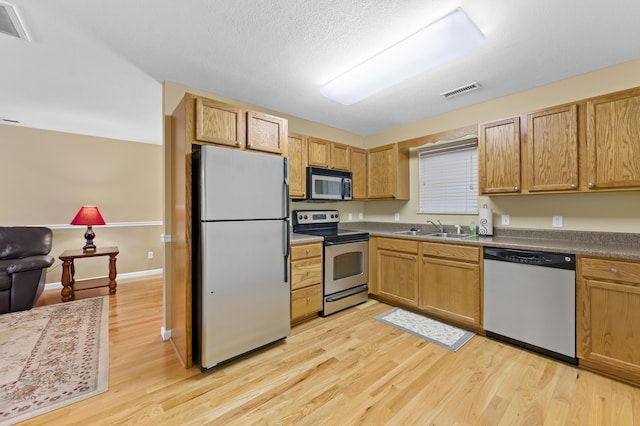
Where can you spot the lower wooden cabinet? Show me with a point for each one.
(396, 270)
(608, 317)
(306, 281)
(450, 285)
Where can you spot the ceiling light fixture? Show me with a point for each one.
(10, 22)
(444, 39)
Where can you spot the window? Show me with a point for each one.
(449, 178)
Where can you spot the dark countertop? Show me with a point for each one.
(603, 244)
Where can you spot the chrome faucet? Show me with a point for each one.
(440, 226)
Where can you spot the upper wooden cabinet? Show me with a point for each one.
(266, 132)
(319, 152)
(388, 172)
(297, 155)
(340, 157)
(358, 173)
(613, 141)
(219, 123)
(328, 155)
(224, 124)
(499, 156)
(552, 149)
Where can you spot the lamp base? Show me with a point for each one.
(89, 236)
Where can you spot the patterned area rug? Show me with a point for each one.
(52, 356)
(442, 334)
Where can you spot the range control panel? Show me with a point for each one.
(308, 217)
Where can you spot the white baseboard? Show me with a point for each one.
(125, 275)
(166, 334)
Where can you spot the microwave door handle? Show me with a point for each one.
(342, 188)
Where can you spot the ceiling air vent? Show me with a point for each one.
(10, 22)
(460, 90)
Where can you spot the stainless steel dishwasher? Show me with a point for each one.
(530, 300)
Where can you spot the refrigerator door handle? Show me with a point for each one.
(286, 188)
(287, 249)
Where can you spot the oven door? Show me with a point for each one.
(346, 265)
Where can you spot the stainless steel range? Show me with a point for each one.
(346, 258)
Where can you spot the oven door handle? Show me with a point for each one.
(336, 243)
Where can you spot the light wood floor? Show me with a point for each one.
(342, 370)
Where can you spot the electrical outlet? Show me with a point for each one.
(350, 216)
(396, 217)
(557, 221)
(360, 216)
(150, 255)
(506, 219)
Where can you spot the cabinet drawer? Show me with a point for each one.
(306, 301)
(612, 270)
(304, 251)
(306, 272)
(452, 251)
(406, 246)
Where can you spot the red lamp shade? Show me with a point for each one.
(88, 215)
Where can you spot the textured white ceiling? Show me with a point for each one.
(96, 67)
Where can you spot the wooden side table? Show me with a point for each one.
(69, 284)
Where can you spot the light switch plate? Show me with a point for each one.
(360, 216)
(505, 219)
(396, 217)
(557, 221)
(350, 216)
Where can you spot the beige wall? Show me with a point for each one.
(46, 176)
(607, 212)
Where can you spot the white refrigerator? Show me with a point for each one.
(242, 293)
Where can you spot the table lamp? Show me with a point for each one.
(88, 215)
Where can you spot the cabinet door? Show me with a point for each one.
(451, 289)
(297, 154)
(609, 324)
(385, 173)
(319, 152)
(613, 140)
(266, 132)
(552, 140)
(359, 173)
(220, 123)
(397, 275)
(499, 156)
(340, 157)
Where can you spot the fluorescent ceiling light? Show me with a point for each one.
(443, 40)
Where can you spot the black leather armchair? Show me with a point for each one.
(23, 266)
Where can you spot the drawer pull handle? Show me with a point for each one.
(614, 270)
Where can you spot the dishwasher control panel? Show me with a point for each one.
(536, 258)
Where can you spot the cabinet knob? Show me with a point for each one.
(574, 186)
(308, 300)
(516, 188)
(614, 270)
(238, 143)
(308, 251)
(592, 184)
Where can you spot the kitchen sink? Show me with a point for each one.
(409, 232)
(450, 235)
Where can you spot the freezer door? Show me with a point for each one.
(237, 185)
(245, 297)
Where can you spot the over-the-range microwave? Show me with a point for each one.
(328, 185)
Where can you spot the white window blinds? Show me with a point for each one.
(449, 178)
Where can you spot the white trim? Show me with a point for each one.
(108, 225)
(166, 334)
(125, 275)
